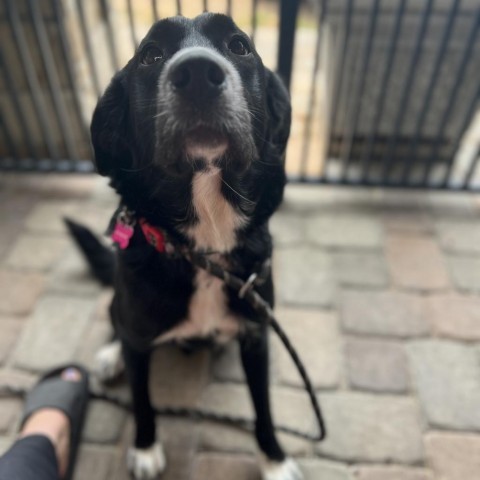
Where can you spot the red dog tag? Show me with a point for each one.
(122, 234)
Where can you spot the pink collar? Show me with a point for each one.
(124, 229)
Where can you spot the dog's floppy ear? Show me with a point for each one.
(279, 109)
(109, 127)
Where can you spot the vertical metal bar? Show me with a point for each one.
(391, 53)
(88, 47)
(67, 58)
(471, 171)
(179, 7)
(32, 80)
(11, 147)
(363, 77)
(413, 144)
(14, 95)
(307, 132)
(205, 5)
(470, 113)
(229, 8)
(288, 21)
(339, 77)
(105, 8)
(156, 16)
(467, 54)
(353, 79)
(53, 80)
(254, 19)
(388, 156)
(131, 23)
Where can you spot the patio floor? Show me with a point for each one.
(379, 291)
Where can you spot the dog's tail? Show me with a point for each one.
(100, 258)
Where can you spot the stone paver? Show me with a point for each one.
(177, 378)
(5, 443)
(104, 423)
(360, 269)
(47, 216)
(180, 440)
(454, 316)
(407, 221)
(51, 186)
(459, 237)
(59, 322)
(453, 456)
(372, 428)
(227, 365)
(10, 328)
(34, 252)
(388, 313)
(10, 409)
(287, 229)
(416, 262)
(71, 275)
(290, 408)
(447, 378)
(14, 207)
(367, 472)
(345, 231)
(304, 276)
(214, 466)
(217, 437)
(98, 334)
(320, 349)
(360, 276)
(465, 272)
(445, 205)
(314, 469)
(94, 462)
(20, 291)
(376, 365)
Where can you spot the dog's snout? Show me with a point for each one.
(197, 78)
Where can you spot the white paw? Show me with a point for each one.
(109, 361)
(146, 463)
(286, 470)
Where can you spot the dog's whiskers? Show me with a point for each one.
(239, 194)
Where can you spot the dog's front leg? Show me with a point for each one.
(146, 459)
(255, 360)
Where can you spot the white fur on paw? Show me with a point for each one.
(109, 361)
(286, 470)
(146, 463)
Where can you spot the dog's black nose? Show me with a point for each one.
(197, 77)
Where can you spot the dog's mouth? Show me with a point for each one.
(205, 143)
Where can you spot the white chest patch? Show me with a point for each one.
(208, 314)
(217, 219)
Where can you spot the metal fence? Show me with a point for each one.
(404, 88)
(393, 85)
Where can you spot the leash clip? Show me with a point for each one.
(247, 285)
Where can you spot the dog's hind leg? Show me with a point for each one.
(255, 360)
(146, 460)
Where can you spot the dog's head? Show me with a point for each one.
(195, 93)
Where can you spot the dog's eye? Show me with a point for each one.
(239, 46)
(150, 55)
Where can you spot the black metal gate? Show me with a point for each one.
(404, 88)
(394, 84)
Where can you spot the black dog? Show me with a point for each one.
(192, 133)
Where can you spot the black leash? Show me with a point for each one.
(247, 292)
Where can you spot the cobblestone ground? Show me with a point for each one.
(377, 289)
